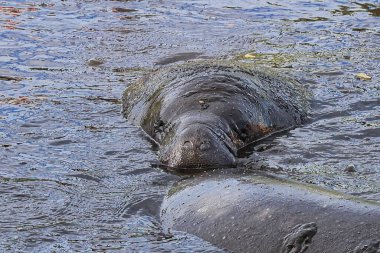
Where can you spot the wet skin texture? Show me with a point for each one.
(255, 213)
(202, 113)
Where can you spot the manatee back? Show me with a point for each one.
(253, 213)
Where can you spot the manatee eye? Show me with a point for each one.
(158, 126)
(289, 248)
(243, 133)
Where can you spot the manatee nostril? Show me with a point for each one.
(204, 146)
(187, 144)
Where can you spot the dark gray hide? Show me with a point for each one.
(262, 214)
(202, 113)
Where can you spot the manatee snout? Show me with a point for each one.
(197, 146)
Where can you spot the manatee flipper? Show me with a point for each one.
(299, 239)
(368, 246)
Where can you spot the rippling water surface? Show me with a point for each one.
(76, 177)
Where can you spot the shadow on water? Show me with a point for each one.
(76, 177)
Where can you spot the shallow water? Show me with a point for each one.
(75, 176)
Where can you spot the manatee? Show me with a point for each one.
(260, 213)
(201, 113)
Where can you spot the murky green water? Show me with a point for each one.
(76, 177)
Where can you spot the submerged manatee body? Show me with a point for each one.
(257, 213)
(202, 113)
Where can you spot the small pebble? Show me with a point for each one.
(93, 62)
(350, 168)
(249, 56)
(363, 76)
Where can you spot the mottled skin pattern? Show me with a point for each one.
(257, 213)
(202, 113)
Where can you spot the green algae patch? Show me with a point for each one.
(27, 179)
(312, 19)
(279, 60)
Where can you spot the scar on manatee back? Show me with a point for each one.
(201, 113)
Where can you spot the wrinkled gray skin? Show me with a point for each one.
(252, 213)
(202, 113)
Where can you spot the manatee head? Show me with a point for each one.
(198, 146)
